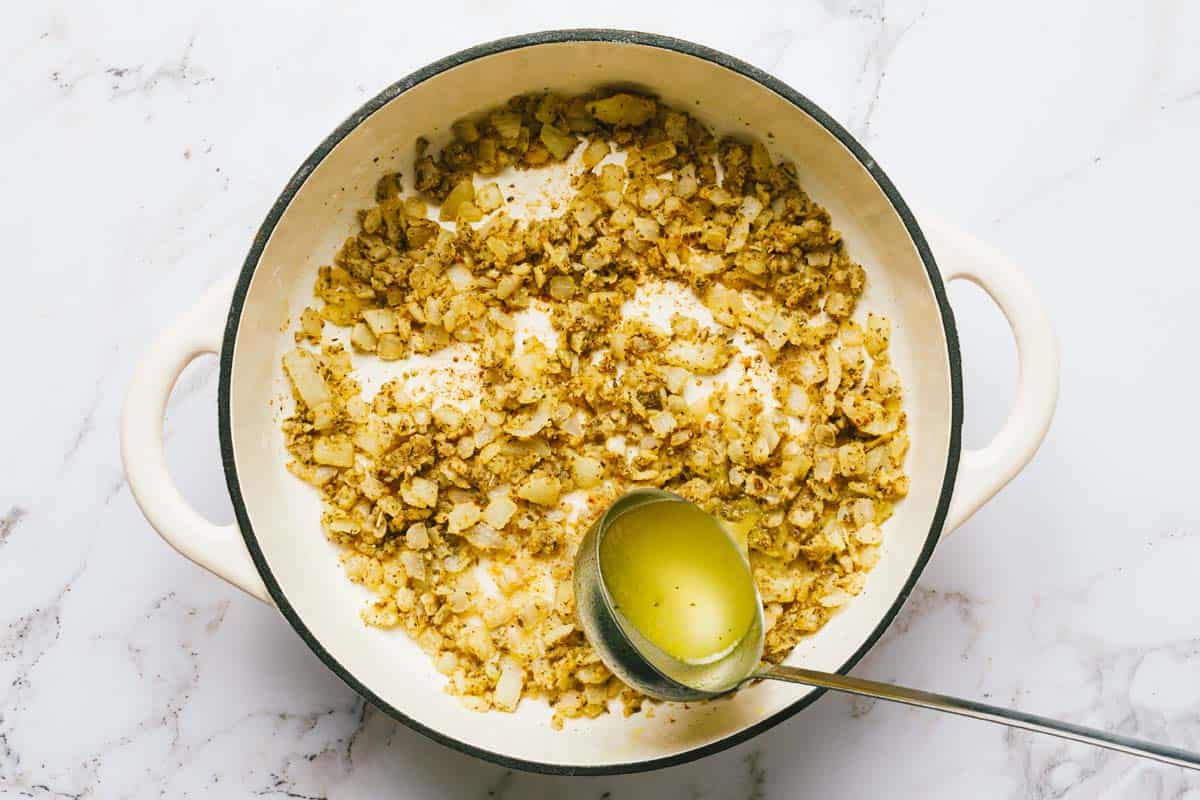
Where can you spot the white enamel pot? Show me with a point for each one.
(276, 551)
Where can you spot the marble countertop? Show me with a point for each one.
(145, 143)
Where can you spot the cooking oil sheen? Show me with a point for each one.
(679, 579)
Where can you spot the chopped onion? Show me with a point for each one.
(485, 537)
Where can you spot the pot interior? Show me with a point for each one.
(284, 513)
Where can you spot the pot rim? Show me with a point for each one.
(532, 40)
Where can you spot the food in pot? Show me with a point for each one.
(684, 317)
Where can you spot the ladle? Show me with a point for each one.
(648, 668)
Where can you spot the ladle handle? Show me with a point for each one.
(975, 710)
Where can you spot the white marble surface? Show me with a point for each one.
(144, 143)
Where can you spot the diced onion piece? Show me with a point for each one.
(812, 372)
(447, 660)
(881, 427)
(868, 534)
(507, 285)
(460, 277)
(764, 444)
(594, 153)
(463, 516)
(374, 437)
(624, 110)
(417, 536)
(623, 217)
(777, 332)
(498, 248)
(562, 287)
(463, 192)
(651, 196)
(414, 565)
(686, 184)
(879, 330)
(750, 208)
(837, 305)
(662, 423)
(586, 212)
(587, 471)
(718, 196)
(507, 124)
(485, 537)
(480, 643)
(499, 511)
(559, 143)
(466, 130)
(459, 599)
(323, 417)
(572, 424)
(801, 515)
(868, 416)
(311, 324)
(835, 598)
(833, 363)
(448, 416)
(390, 506)
(592, 674)
(508, 689)
(362, 338)
(675, 378)
(704, 263)
(557, 633)
(835, 535)
(541, 488)
(390, 347)
(532, 425)
(661, 151)
(489, 197)
(851, 334)
(317, 476)
(420, 492)
(301, 367)
(646, 228)
(796, 401)
(823, 468)
(380, 320)
(702, 357)
(737, 236)
(468, 212)
(862, 511)
(497, 614)
(343, 525)
(335, 451)
(776, 589)
(886, 379)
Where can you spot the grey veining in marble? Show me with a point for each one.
(143, 145)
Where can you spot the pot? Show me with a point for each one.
(276, 551)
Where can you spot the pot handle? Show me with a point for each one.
(217, 548)
(983, 472)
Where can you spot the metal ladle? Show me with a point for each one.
(644, 666)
